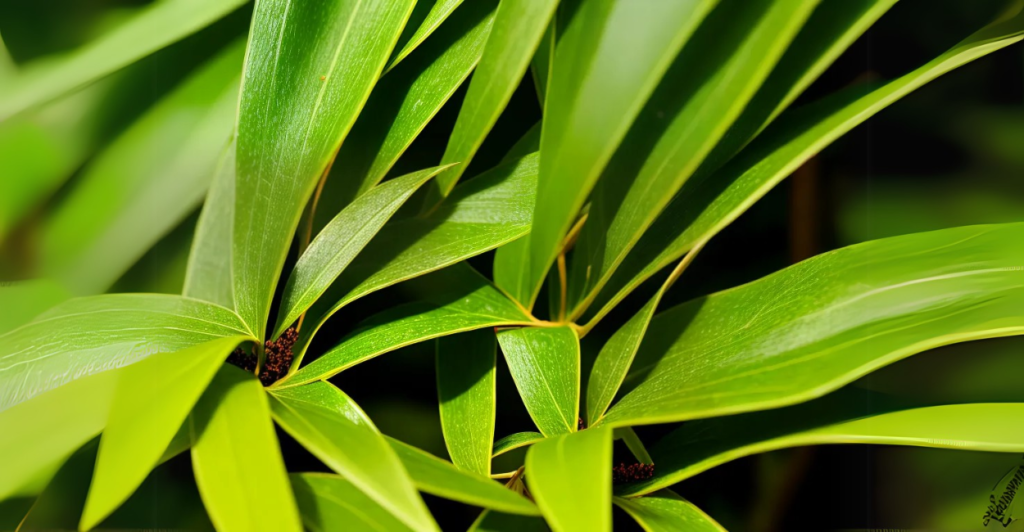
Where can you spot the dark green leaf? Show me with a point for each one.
(545, 364)
(466, 394)
(667, 512)
(570, 477)
(515, 441)
(208, 275)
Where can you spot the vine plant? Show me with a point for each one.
(663, 121)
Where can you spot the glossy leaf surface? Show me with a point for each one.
(515, 441)
(466, 395)
(545, 364)
(667, 512)
(329, 502)
(441, 10)
(208, 274)
(571, 479)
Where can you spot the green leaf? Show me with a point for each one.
(480, 215)
(491, 521)
(610, 58)
(309, 70)
(804, 331)
(338, 244)
(515, 441)
(208, 274)
(545, 364)
(703, 92)
(466, 396)
(845, 417)
(441, 10)
(58, 506)
(441, 478)
(470, 303)
(667, 512)
(633, 443)
(26, 300)
(155, 27)
(518, 28)
(333, 427)
(93, 334)
(148, 180)
(543, 58)
(710, 202)
(74, 414)
(151, 401)
(404, 101)
(236, 458)
(613, 361)
(570, 477)
(329, 502)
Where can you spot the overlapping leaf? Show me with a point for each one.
(466, 395)
(545, 364)
(329, 502)
(666, 512)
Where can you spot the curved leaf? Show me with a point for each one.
(236, 458)
(441, 478)
(545, 364)
(515, 441)
(440, 11)
(333, 427)
(151, 401)
(329, 502)
(806, 330)
(155, 27)
(93, 334)
(466, 397)
(208, 274)
(610, 58)
(309, 69)
(570, 477)
(667, 512)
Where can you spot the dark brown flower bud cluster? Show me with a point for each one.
(279, 357)
(623, 473)
(243, 359)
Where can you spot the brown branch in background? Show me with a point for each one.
(804, 210)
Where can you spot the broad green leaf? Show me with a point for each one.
(515, 441)
(74, 414)
(333, 427)
(518, 27)
(710, 202)
(613, 361)
(845, 417)
(610, 58)
(491, 521)
(151, 401)
(466, 397)
(93, 334)
(441, 478)
(155, 27)
(339, 243)
(142, 185)
(329, 502)
(309, 70)
(236, 458)
(700, 96)
(804, 331)
(667, 512)
(26, 300)
(570, 477)
(545, 364)
(480, 215)
(404, 101)
(208, 275)
(471, 303)
(441, 10)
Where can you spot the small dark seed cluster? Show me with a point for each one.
(243, 359)
(279, 357)
(623, 473)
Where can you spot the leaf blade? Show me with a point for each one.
(329, 502)
(545, 364)
(570, 478)
(466, 388)
(666, 511)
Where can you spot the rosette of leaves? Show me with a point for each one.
(663, 121)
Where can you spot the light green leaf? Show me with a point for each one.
(333, 427)
(404, 101)
(309, 70)
(469, 302)
(329, 502)
(338, 244)
(570, 477)
(151, 401)
(441, 478)
(518, 27)
(515, 441)
(149, 179)
(545, 364)
(610, 58)
(208, 274)
(155, 27)
(480, 215)
(667, 512)
(26, 300)
(613, 361)
(236, 458)
(93, 334)
(466, 397)
(58, 506)
(710, 202)
(808, 329)
(491, 521)
(700, 96)
(74, 414)
(441, 10)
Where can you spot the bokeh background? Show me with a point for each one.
(950, 154)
